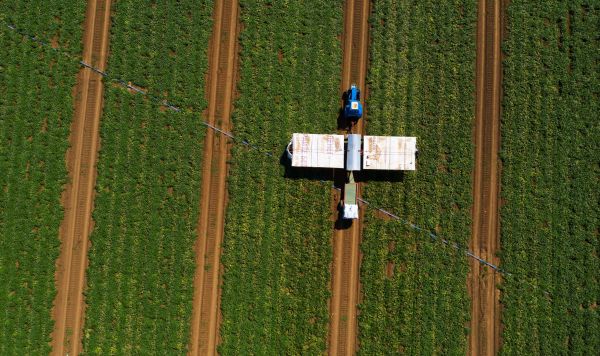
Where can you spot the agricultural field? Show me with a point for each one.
(421, 83)
(277, 247)
(141, 270)
(36, 108)
(277, 250)
(550, 176)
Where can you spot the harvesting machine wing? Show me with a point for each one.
(317, 151)
(390, 153)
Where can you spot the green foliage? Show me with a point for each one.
(550, 145)
(36, 109)
(421, 83)
(140, 277)
(277, 241)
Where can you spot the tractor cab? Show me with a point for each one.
(353, 107)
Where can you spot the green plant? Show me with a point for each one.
(36, 108)
(142, 265)
(550, 178)
(421, 83)
(277, 250)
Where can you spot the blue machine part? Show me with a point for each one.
(353, 107)
(353, 153)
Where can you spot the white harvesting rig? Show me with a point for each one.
(352, 153)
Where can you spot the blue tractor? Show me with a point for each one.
(353, 107)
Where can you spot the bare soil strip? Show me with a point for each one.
(223, 62)
(346, 241)
(78, 197)
(484, 338)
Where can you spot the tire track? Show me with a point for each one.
(485, 335)
(346, 241)
(223, 61)
(78, 197)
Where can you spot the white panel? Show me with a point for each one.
(319, 151)
(390, 153)
(350, 211)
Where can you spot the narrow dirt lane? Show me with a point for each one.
(346, 241)
(223, 62)
(78, 197)
(484, 338)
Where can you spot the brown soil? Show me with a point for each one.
(78, 197)
(485, 324)
(222, 68)
(345, 284)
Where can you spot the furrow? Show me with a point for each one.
(76, 226)
(205, 317)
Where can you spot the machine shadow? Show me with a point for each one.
(379, 176)
(319, 174)
(342, 122)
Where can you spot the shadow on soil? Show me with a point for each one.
(319, 174)
(342, 122)
(379, 176)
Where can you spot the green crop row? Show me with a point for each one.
(421, 83)
(36, 109)
(141, 270)
(550, 188)
(277, 250)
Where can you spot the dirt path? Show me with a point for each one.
(346, 241)
(484, 338)
(78, 197)
(207, 295)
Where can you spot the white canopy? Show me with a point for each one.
(319, 151)
(389, 153)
